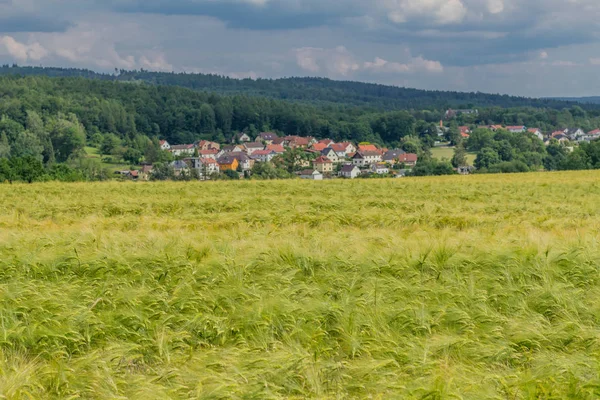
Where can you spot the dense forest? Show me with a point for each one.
(312, 90)
(45, 124)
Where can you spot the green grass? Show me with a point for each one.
(466, 287)
(448, 152)
(94, 154)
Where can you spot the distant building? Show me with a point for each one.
(164, 145)
(454, 113)
(350, 171)
(311, 174)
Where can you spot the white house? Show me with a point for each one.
(365, 158)
(252, 147)
(536, 132)
(574, 133)
(263, 155)
(380, 169)
(591, 135)
(343, 149)
(331, 155)
(164, 145)
(350, 171)
(242, 137)
(311, 174)
(182, 150)
(516, 128)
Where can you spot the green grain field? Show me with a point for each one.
(475, 287)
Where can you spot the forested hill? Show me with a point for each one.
(312, 90)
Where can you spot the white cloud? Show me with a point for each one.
(22, 51)
(341, 62)
(440, 11)
(338, 61)
(595, 61)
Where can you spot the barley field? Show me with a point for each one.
(477, 287)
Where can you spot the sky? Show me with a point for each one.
(521, 47)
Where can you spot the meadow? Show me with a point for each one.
(462, 287)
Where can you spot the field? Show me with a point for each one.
(447, 152)
(465, 287)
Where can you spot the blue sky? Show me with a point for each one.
(522, 47)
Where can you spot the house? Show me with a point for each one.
(331, 154)
(228, 163)
(516, 128)
(266, 137)
(391, 156)
(311, 174)
(591, 135)
(343, 149)
(204, 166)
(453, 113)
(180, 165)
(233, 149)
(164, 145)
(253, 146)
(464, 132)
(183, 150)
(364, 158)
(263, 155)
(133, 174)
(323, 165)
(326, 142)
(318, 146)
(213, 153)
(536, 132)
(281, 141)
(276, 148)
(350, 171)
(241, 137)
(207, 145)
(574, 133)
(297, 141)
(244, 161)
(408, 159)
(367, 147)
(380, 168)
(465, 170)
(146, 170)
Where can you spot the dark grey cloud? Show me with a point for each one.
(258, 15)
(28, 23)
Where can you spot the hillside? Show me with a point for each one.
(313, 90)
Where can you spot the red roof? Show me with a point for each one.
(326, 142)
(533, 130)
(208, 152)
(594, 132)
(319, 146)
(208, 161)
(407, 157)
(465, 135)
(162, 142)
(323, 160)
(464, 129)
(262, 152)
(277, 148)
(367, 147)
(556, 133)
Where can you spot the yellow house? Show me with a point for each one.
(228, 163)
(323, 164)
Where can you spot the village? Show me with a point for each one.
(324, 159)
(316, 159)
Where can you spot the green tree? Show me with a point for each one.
(460, 157)
(486, 157)
(28, 168)
(68, 137)
(132, 156)
(110, 143)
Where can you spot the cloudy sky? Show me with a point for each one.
(522, 47)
